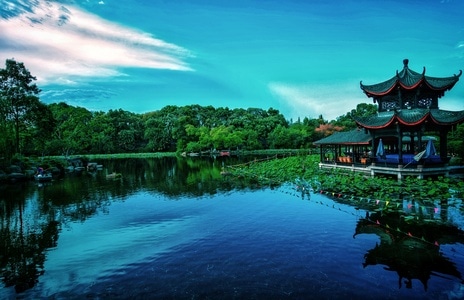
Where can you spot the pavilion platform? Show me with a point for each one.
(399, 170)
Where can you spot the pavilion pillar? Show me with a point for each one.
(371, 156)
(419, 141)
(400, 144)
(444, 144)
(412, 143)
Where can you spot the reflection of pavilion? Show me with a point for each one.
(411, 250)
(388, 142)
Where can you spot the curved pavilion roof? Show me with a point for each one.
(353, 137)
(409, 80)
(411, 117)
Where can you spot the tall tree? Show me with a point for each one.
(18, 97)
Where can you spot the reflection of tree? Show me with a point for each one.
(23, 249)
(31, 217)
(196, 176)
(410, 249)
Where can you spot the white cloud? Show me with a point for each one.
(311, 100)
(59, 44)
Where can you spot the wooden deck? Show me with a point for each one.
(400, 171)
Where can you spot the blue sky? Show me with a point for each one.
(304, 58)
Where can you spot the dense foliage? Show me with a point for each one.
(31, 127)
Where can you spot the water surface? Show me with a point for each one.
(175, 231)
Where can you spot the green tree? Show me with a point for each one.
(73, 132)
(42, 129)
(225, 137)
(294, 137)
(250, 139)
(18, 98)
(158, 133)
(102, 134)
(128, 130)
(456, 142)
(362, 110)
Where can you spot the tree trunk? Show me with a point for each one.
(17, 147)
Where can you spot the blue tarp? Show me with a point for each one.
(430, 149)
(380, 150)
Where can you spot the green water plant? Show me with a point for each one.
(349, 185)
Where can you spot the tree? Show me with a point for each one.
(103, 132)
(128, 130)
(73, 131)
(225, 137)
(364, 110)
(456, 142)
(17, 97)
(158, 134)
(42, 128)
(328, 129)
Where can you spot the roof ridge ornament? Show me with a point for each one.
(405, 63)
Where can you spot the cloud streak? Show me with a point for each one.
(62, 44)
(330, 101)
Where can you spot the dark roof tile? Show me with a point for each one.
(409, 79)
(411, 117)
(353, 137)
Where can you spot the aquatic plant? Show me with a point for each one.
(276, 170)
(358, 189)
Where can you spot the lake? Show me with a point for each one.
(174, 228)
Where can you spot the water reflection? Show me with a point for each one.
(32, 214)
(173, 176)
(411, 249)
(26, 231)
(32, 217)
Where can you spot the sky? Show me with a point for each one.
(303, 58)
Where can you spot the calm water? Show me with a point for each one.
(176, 229)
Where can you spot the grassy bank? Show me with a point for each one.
(116, 155)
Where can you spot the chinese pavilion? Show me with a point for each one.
(408, 116)
(407, 109)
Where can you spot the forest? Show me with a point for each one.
(32, 128)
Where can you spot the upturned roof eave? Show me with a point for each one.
(367, 126)
(444, 88)
(403, 120)
(450, 123)
(395, 118)
(371, 93)
(400, 78)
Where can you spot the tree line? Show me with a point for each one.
(30, 127)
